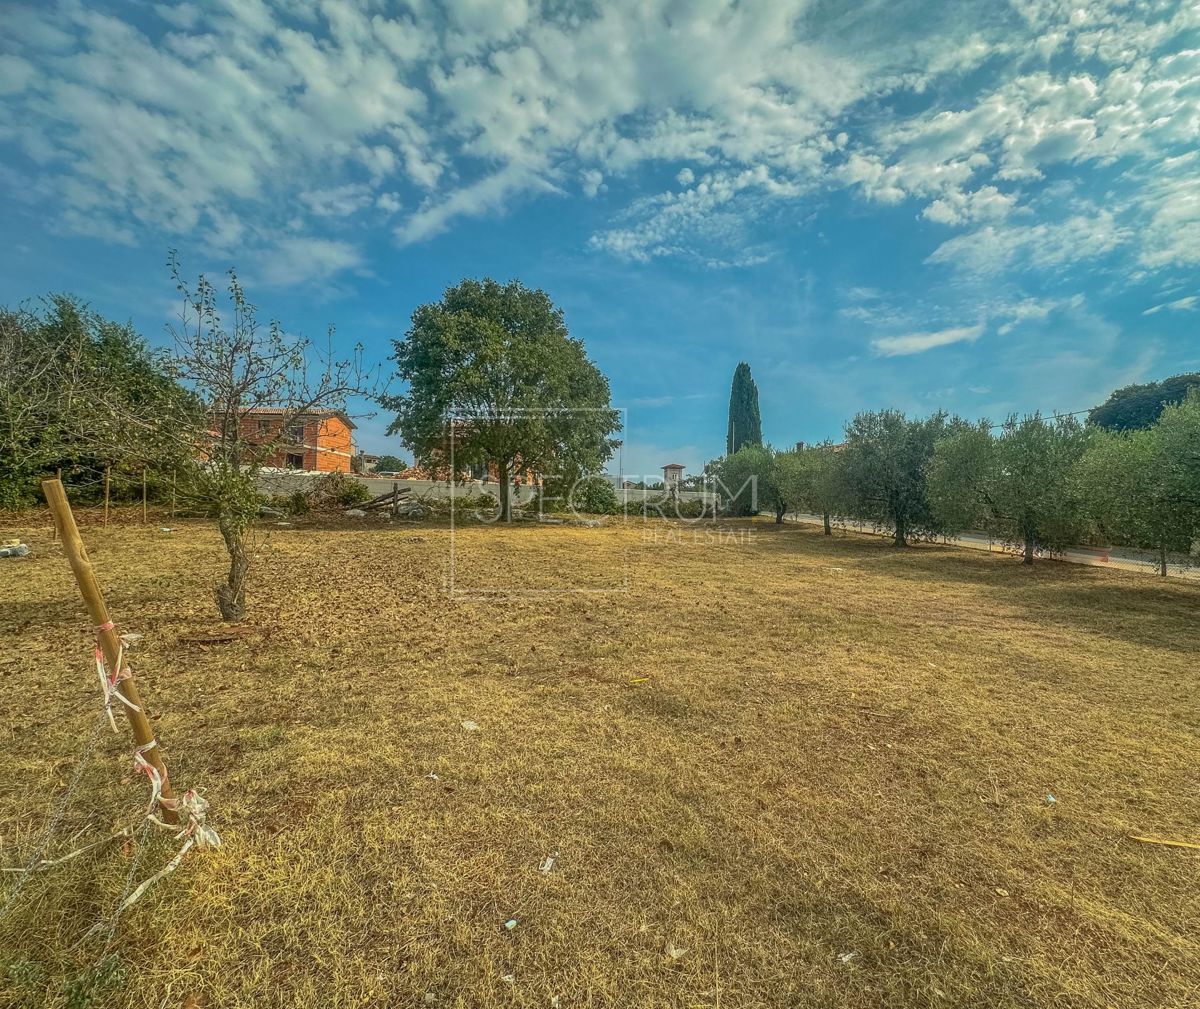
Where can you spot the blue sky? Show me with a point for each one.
(978, 207)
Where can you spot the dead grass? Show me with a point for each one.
(832, 748)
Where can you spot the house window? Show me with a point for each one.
(294, 460)
(264, 425)
(296, 434)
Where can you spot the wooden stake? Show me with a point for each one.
(105, 497)
(54, 531)
(143, 495)
(110, 643)
(1159, 840)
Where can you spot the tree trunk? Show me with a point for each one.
(231, 594)
(901, 538)
(779, 510)
(1162, 560)
(828, 527)
(1028, 550)
(505, 492)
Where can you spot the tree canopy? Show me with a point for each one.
(1015, 484)
(811, 478)
(493, 365)
(1141, 488)
(745, 424)
(390, 464)
(1134, 407)
(746, 481)
(885, 459)
(1129, 490)
(80, 392)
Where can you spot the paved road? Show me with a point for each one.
(1123, 560)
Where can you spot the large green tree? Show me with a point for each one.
(745, 424)
(494, 377)
(885, 459)
(1178, 433)
(1015, 483)
(1134, 407)
(746, 481)
(390, 464)
(79, 392)
(1142, 488)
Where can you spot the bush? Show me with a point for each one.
(664, 507)
(337, 491)
(594, 495)
(353, 493)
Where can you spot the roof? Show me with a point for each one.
(674, 465)
(276, 411)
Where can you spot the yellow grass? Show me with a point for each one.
(776, 771)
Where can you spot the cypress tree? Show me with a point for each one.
(745, 424)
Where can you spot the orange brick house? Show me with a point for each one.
(321, 441)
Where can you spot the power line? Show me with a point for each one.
(1053, 416)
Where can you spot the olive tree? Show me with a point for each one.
(746, 480)
(811, 478)
(1015, 484)
(885, 460)
(1142, 487)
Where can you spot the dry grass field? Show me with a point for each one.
(772, 769)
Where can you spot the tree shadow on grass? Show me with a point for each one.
(1135, 608)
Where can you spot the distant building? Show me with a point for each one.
(673, 477)
(320, 441)
(484, 472)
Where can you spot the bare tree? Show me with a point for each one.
(236, 367)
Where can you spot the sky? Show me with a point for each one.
(978, 207)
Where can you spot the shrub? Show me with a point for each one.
(594, 495)
(352, 493)
(336, 491)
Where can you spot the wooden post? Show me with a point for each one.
(106, 469)
(143, 495)
(54, 530)
(110, 643)
(395, 498)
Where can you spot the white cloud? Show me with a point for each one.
(270, 114)
(957, 207)
(490, 193)
(15, 74)
(1047, 246)
(593, 182)
(707, 222)
(389, 203)
(918, 343)
(340, 201)
(1171, 202)
(1187, 304)
(300, 260)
